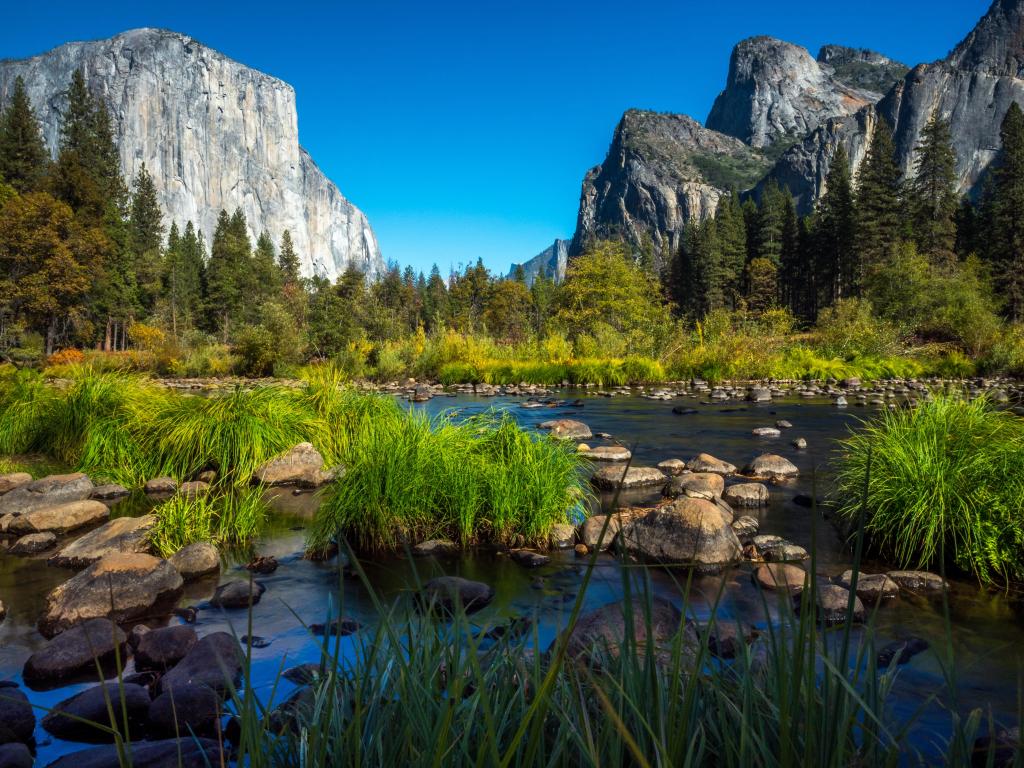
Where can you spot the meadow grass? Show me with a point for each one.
(944, 484)
(228, 519)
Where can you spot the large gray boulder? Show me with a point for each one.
(46, 492)
(567, 429)
(196, 560)
(215, 661)
(746, 495)
(301, 464)
(769, 466)
(12, 480)
(60, 518)
(696, 485)
(614, 477)
(128, 535)
(76, 650)
(121, 586)
(691, 531)
(705, 462)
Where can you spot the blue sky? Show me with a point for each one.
(463, 130)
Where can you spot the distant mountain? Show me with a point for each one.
(213, 133)
(551, 262)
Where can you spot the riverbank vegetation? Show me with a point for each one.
(886, 277)
(944, 485)
(480, 479)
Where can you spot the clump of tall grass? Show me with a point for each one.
(235, 517)
(25, 404)
(942, 480)
(413, 477)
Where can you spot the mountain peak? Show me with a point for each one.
(996, 45)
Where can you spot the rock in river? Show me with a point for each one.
(75, 650)
(705, 462)
(129, 535)
(607, 453)
(769, 466)
(871, 587)
(109, 492)
(84, 716)
(672, 467)
(918, 582)
(567, 429)
(186, 752)
(599, 634)
(46, 492)
(436, 548)
(746, 495)
(33, 544)
(692, 531)
(60, 518)
(696, 485)
(237, 594)
(17, 718)
(196, 560)
(214, 661)
(447, 591)
(833, 603)
(121, 587)
(12, 480)
(590, 533)
(303, 462)
(186, 709)
(610, 478)
(160, 486)
(776, 576)
(15, 755)
(160, 649)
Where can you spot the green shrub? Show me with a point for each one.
(943, 479)
(850, 329)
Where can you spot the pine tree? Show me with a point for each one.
(878, 200)
(731, 229)
(228, 273)
(790, 262)
(267, 278)
(836, 257)
(23, 156)
(1004, 213)
(435, 300)
(932, 193)
(288, 260)
(145, 233)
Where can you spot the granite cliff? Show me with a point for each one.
(213, 133)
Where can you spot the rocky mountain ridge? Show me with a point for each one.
(213, 133)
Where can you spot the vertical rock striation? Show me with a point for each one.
(213, 133)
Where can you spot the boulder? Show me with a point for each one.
(15, 755)
(590, 532)
(562, 536)
(528, 558)
(196, 560)
(780, 576)
(122, 587)
(672, 467)
(691, 531)
(436, 548)
(193, 489)
(745, 527)
(919, 582)
(302, 461)
(781, 551)
(599, 635)
(769, 466)
(871, 587)
(237, 594)
(263, 564)
(33, 544)
(759, 395)
(607, 453)
(696, 485)
(832, 602)
(186, 752)
(84, 716)
(765, 432)
(160, 649)
(746, 495)
(75, 650)
(109, 492)
(214, 661)
(46, 492)
(567, 429)
(612, 478)
(129, 535)
(705, 462)
(17, 718)
(12, 480)
(800, 444)
(161, 486)
(184, 710)
(445, 592)
(60, 518)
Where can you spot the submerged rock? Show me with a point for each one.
(529, 559)
(86, 715)
(15, 755)
(446, 592)
(611, 478)
(691, 531)
(900, 651)
(46, 492)
(76, 650)
(17, 718)
(60, 518)
(196, 560)
(121, 587)
(128, 535)
(237, 594)
(705, 462)
(567, 429)
(436, 548)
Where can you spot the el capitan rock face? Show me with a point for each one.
(213, 133)
(777, 91)
(662, 171)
